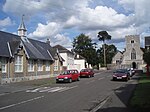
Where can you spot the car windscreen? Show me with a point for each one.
(65, 73)
(120, 71)
(84, 70)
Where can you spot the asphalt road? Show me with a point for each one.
(88, 94)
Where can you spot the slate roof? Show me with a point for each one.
(80, 57)
(5, 39)
(9, 43)
(62, 49)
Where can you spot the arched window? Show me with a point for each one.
(133, 54)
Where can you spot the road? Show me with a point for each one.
(88, 94)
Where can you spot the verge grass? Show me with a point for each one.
(141, 97)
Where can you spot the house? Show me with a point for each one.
(132, 56)
(22, 58)
(80, 62)
(117, 59)
(67, 55)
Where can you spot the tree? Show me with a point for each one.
(111, 50)
(83, 45)
(102, 36)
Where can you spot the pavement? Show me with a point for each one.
(118, 100)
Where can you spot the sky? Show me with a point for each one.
(63, 20)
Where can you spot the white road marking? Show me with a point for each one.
(15, 104)
(55, 89)
(67, 88)
(50, 89)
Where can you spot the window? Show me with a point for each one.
(56, 65)
(47, 66)
(133, 54)
(18, 64)
(40, 65)
(30, 65)
(4, 64)
(132, 41)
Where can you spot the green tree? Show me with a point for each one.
(83, 45)
(146, 57)
(110, 52)
(103, 36)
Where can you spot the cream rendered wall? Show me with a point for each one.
(80, 64)
(69, 60)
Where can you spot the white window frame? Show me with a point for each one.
(4, 65)
(47, 66)
(40, 65)
(56, 65)
(18, 63)
(30, 65)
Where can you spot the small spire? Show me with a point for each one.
(22, 29)
(22, 25)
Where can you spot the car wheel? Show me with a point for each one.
(89, 76)
(70, 80)
(78, 79)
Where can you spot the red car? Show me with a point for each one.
(121, 74)
(86, 73)
(68, 76)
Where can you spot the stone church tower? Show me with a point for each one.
(133, 55)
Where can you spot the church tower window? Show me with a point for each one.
(133, 54)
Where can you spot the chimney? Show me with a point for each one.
(48, 41)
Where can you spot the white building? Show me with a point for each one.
(80, 62)
(67, 55)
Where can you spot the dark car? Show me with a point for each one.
(68, 76)
(121, 74)
(86, 73)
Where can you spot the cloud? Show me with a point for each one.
(118, 17)
(62, 40)
(103, 18)
(44, 31)
(6, 22)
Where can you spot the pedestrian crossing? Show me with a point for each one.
(49, 89)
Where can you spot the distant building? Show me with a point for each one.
(133, 54)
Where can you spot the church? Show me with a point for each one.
(132, 57)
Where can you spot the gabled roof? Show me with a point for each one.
(5, 40)
(34, 49)
(77, 56)
(62, 49)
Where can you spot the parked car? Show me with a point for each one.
(131, 71)
(121, 74)
(86, 73)
(68, 76)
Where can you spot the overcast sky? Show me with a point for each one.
(63, 20)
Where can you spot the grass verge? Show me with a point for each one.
(141, 96)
